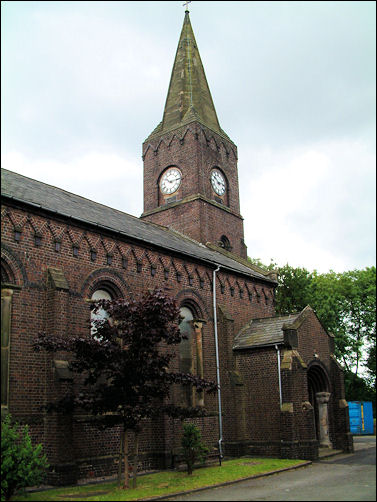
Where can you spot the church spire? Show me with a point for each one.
(189, 98)
(190, 164)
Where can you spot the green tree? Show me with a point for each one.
(293, 291)
(346, 305)
(371, 363)
(22, 464)
(193, 447)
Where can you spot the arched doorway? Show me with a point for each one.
(319, 396)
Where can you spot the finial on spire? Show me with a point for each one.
(186, 5)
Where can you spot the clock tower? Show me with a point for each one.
(190, 164)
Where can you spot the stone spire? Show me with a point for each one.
(189, 98)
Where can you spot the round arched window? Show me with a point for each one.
(185, 351)
(225, 243)
(99, 294)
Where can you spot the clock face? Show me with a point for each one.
(218, 182)
(170, 181)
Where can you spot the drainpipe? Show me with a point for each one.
(279, 374)
(217, 364)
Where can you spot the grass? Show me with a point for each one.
(166, 482)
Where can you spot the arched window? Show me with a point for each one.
(185, 347)
(225, 243)
(7, 282)
(185, 353)
(99, 294)
(6, 305)
(191, 354)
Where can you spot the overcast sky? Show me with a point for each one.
(293, 83)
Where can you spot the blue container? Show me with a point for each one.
(361, 417)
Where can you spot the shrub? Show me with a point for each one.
(193, 447)
(22, 464)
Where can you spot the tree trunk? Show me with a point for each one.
(136, 460)
(125, 454)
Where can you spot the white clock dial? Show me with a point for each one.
(170, 181)
(218, 182)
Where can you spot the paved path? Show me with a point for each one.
(343, 477)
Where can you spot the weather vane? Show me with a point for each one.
(186, 4)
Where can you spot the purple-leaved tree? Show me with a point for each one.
(125, 367)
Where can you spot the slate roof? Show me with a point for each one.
(262, 332)
(50, 198)
(189, 98)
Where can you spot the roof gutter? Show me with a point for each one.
(272, 344)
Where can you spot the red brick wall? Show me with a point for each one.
(313, 339)
(259, 396)
(290, 431)
(195, 151)
(317, 349)
(37, 306)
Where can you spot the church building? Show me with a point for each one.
(281, 391)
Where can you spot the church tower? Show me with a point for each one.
(190, 164)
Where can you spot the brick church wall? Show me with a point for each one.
(54, 263)
(260, 400)
(316, 347)
(42, 303)
(262, 426)
(313, 339)
(323, 345)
